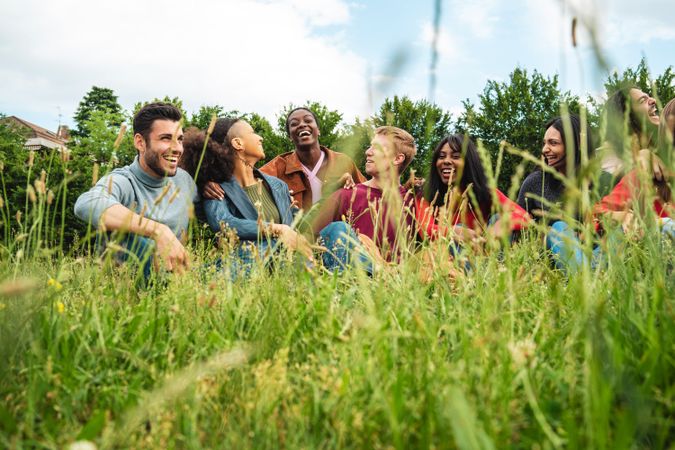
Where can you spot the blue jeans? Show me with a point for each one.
(668, 228)
(568, 255)
(343, 247)
(139, 252)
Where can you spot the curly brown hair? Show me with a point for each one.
(218, 161)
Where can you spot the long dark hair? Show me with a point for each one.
(621, 121)
(218, 162)
(573, 145)
(473, 173)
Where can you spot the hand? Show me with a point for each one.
(347, 181)
(293, 240)
(294, 202)
(213, 191)
(372, 250)
(498, 229)
(170, 252)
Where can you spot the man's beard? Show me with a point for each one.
(152, 160)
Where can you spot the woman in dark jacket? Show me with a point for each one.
(540, 190)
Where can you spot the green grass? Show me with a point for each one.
(512, 355)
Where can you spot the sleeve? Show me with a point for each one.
(525, 189)
(519, 218)
(331, 211)
(425, 218)
(619, 198)
(112, 189)
(218, 211)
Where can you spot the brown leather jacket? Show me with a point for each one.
(288, 168)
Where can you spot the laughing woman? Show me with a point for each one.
(255, 205)
(457, 196)
(541, 190)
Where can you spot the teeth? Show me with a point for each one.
(304, 133)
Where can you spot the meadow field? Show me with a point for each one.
(510, 354)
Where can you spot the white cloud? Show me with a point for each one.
(447, 45)
(616, 22)
(477, 17)
(250, 55)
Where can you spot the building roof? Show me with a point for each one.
(38, 136)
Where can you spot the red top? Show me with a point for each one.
(626, 192)
(428, 226)
(363, 208)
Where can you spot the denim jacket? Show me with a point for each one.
(237, 212)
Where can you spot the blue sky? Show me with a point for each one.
(259, 55)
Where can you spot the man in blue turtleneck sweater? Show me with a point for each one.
(151, 198)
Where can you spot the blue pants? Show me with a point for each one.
(568, 256)
(343, 247)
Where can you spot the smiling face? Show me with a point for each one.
(246, 142)
(554, 149)
(449, 164)
(159, 155)
(377, 155)
(644, 106)
(302, 128)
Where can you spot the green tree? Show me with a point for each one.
(97, 99)
(202, 118)
(175, 101)
(662, 87)
(98, 145)
(426, 122)
(274, 143)
(514, 111)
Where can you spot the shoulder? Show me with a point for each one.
(120, 176)
(274, 181)
(534, 177)
(279, 160)
(183, 177)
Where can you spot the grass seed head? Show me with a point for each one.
(31, 194)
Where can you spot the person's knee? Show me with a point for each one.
(335, 231)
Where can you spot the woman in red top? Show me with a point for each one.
(457, 196)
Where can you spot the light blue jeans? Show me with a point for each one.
(567, 251)
(343, 247)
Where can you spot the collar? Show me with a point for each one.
(144, 177)
(293, 163)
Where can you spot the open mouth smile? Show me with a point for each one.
(304, 133)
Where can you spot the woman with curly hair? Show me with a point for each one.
(255, 205)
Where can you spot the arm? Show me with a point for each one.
(329, 211)
(218, 211)
(103, 205)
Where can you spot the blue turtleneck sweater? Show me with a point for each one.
(166, 200)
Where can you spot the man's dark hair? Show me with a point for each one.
(299, 108)
(573, 145)
(472, 173)
(147, 115)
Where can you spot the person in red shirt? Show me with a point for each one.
(457, 199)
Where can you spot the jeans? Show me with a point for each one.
(343, 247)
(568, 255)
